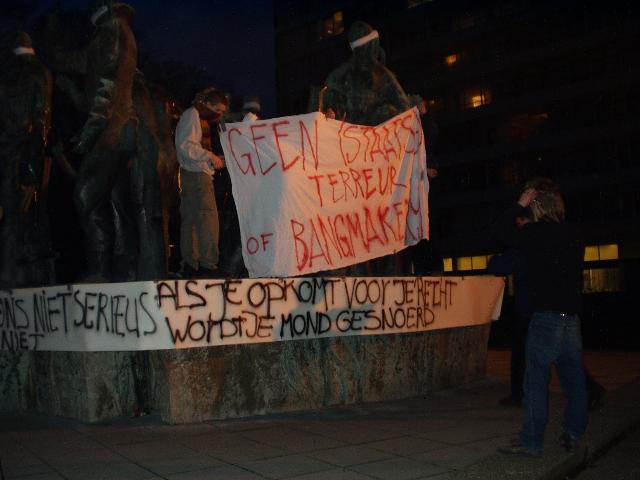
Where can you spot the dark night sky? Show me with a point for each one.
(233, 40)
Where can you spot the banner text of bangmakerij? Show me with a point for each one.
(316, 194)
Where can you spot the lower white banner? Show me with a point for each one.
(176, 314)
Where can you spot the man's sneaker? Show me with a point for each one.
(520, 450)
(511, 402)
(568, 442)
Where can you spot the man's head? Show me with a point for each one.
(548, 205)
(211, 104)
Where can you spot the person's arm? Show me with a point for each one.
(505, 230)
(188, 144)
(114, 90)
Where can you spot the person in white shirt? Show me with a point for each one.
(199, 228)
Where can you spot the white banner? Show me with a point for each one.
(315, 194)
(175, 314)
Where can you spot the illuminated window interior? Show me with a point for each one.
(451, 59)
(477, 262)
(448, 264)
(332, 26)
(477, 97)
(463, 263)
(594, 253)
(599, 280)
(477, 100)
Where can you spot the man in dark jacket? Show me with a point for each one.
(554, 256)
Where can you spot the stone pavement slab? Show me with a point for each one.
(450, 435)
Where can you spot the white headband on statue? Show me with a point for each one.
(366, 39)
(23, 51)
(248, 105)
(98, 13)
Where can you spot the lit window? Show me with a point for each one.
(479, 262)
(477, 100)
(451, 59)
(448, 264)
(332, 26)
(477, 97)
(593, 253)
(464, 263)
(608, 252)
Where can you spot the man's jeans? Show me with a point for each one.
(553, 338)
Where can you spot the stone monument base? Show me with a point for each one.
(199, 384)
(197, 350)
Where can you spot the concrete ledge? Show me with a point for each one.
(200, 384)
(241, 380)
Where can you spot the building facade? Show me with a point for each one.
(518, 89)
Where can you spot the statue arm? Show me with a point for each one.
(101, 105)
(398, 97)
(333, 95)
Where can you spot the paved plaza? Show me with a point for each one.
(451, 434)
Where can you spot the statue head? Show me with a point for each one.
(365, 42)
(22, 44)
(251, 103)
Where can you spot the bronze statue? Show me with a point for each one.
(107, 138)
(125, 157)
(26, 257)
(364, 91)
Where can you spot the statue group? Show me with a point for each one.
(93, 115)
(89, 116)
